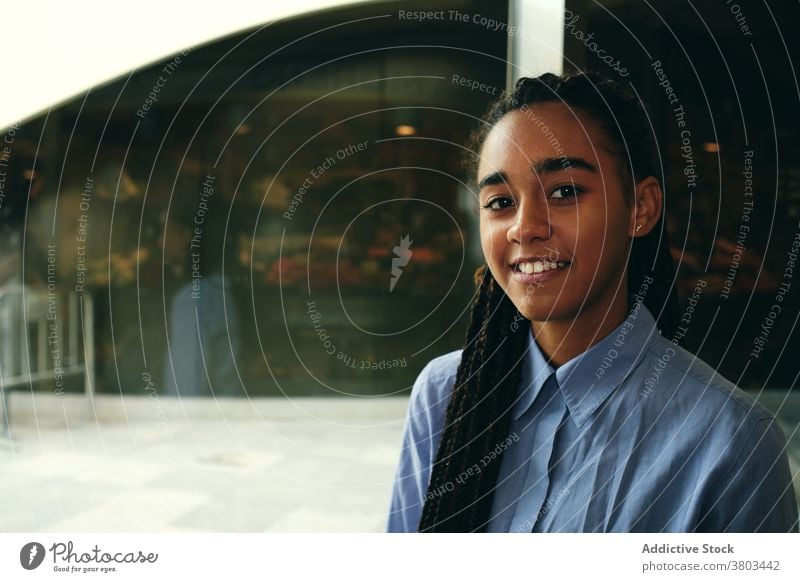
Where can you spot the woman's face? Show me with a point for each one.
(555, 226)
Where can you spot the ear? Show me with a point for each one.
(647, 207)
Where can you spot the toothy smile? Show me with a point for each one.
(529, 267)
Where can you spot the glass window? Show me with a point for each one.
(281, 211)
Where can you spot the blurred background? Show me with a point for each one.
(224, 268)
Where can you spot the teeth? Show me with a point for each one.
(539, 266)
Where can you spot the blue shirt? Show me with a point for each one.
(635, 434)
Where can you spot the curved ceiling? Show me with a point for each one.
(55, 51)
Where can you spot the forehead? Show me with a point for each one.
(543, 130)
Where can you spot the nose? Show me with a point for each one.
(532, 221)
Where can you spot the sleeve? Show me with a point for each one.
(757, 492)
(418, 447)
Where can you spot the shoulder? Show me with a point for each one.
(435, 381)
(688, 382)
(697, 413)
(442, 367)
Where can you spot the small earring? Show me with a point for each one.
(638, 228)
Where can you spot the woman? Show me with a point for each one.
(572, 407)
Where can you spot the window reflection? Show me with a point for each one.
(237, 229)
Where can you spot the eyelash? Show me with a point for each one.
(578, 191)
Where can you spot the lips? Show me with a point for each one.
(537, 269)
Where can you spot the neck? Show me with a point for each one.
(562, 340)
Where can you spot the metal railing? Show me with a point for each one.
(44, 335)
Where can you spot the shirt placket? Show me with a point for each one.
(550, 412)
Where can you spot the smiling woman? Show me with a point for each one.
(569, 219)
(518, 431)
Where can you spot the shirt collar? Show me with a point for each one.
(589, 378)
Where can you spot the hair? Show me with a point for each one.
(459, 497)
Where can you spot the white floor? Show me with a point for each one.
(267, 465)
(157, 465)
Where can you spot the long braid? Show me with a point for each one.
(462, 483)
(478, 414)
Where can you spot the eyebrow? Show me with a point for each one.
(492, 179)
(543, 166)
(562, 164)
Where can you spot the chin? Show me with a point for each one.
(544, 308)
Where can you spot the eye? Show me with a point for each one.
(566, 192)
(498, 203)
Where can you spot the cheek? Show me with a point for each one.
(600, 242)
(493, 238)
